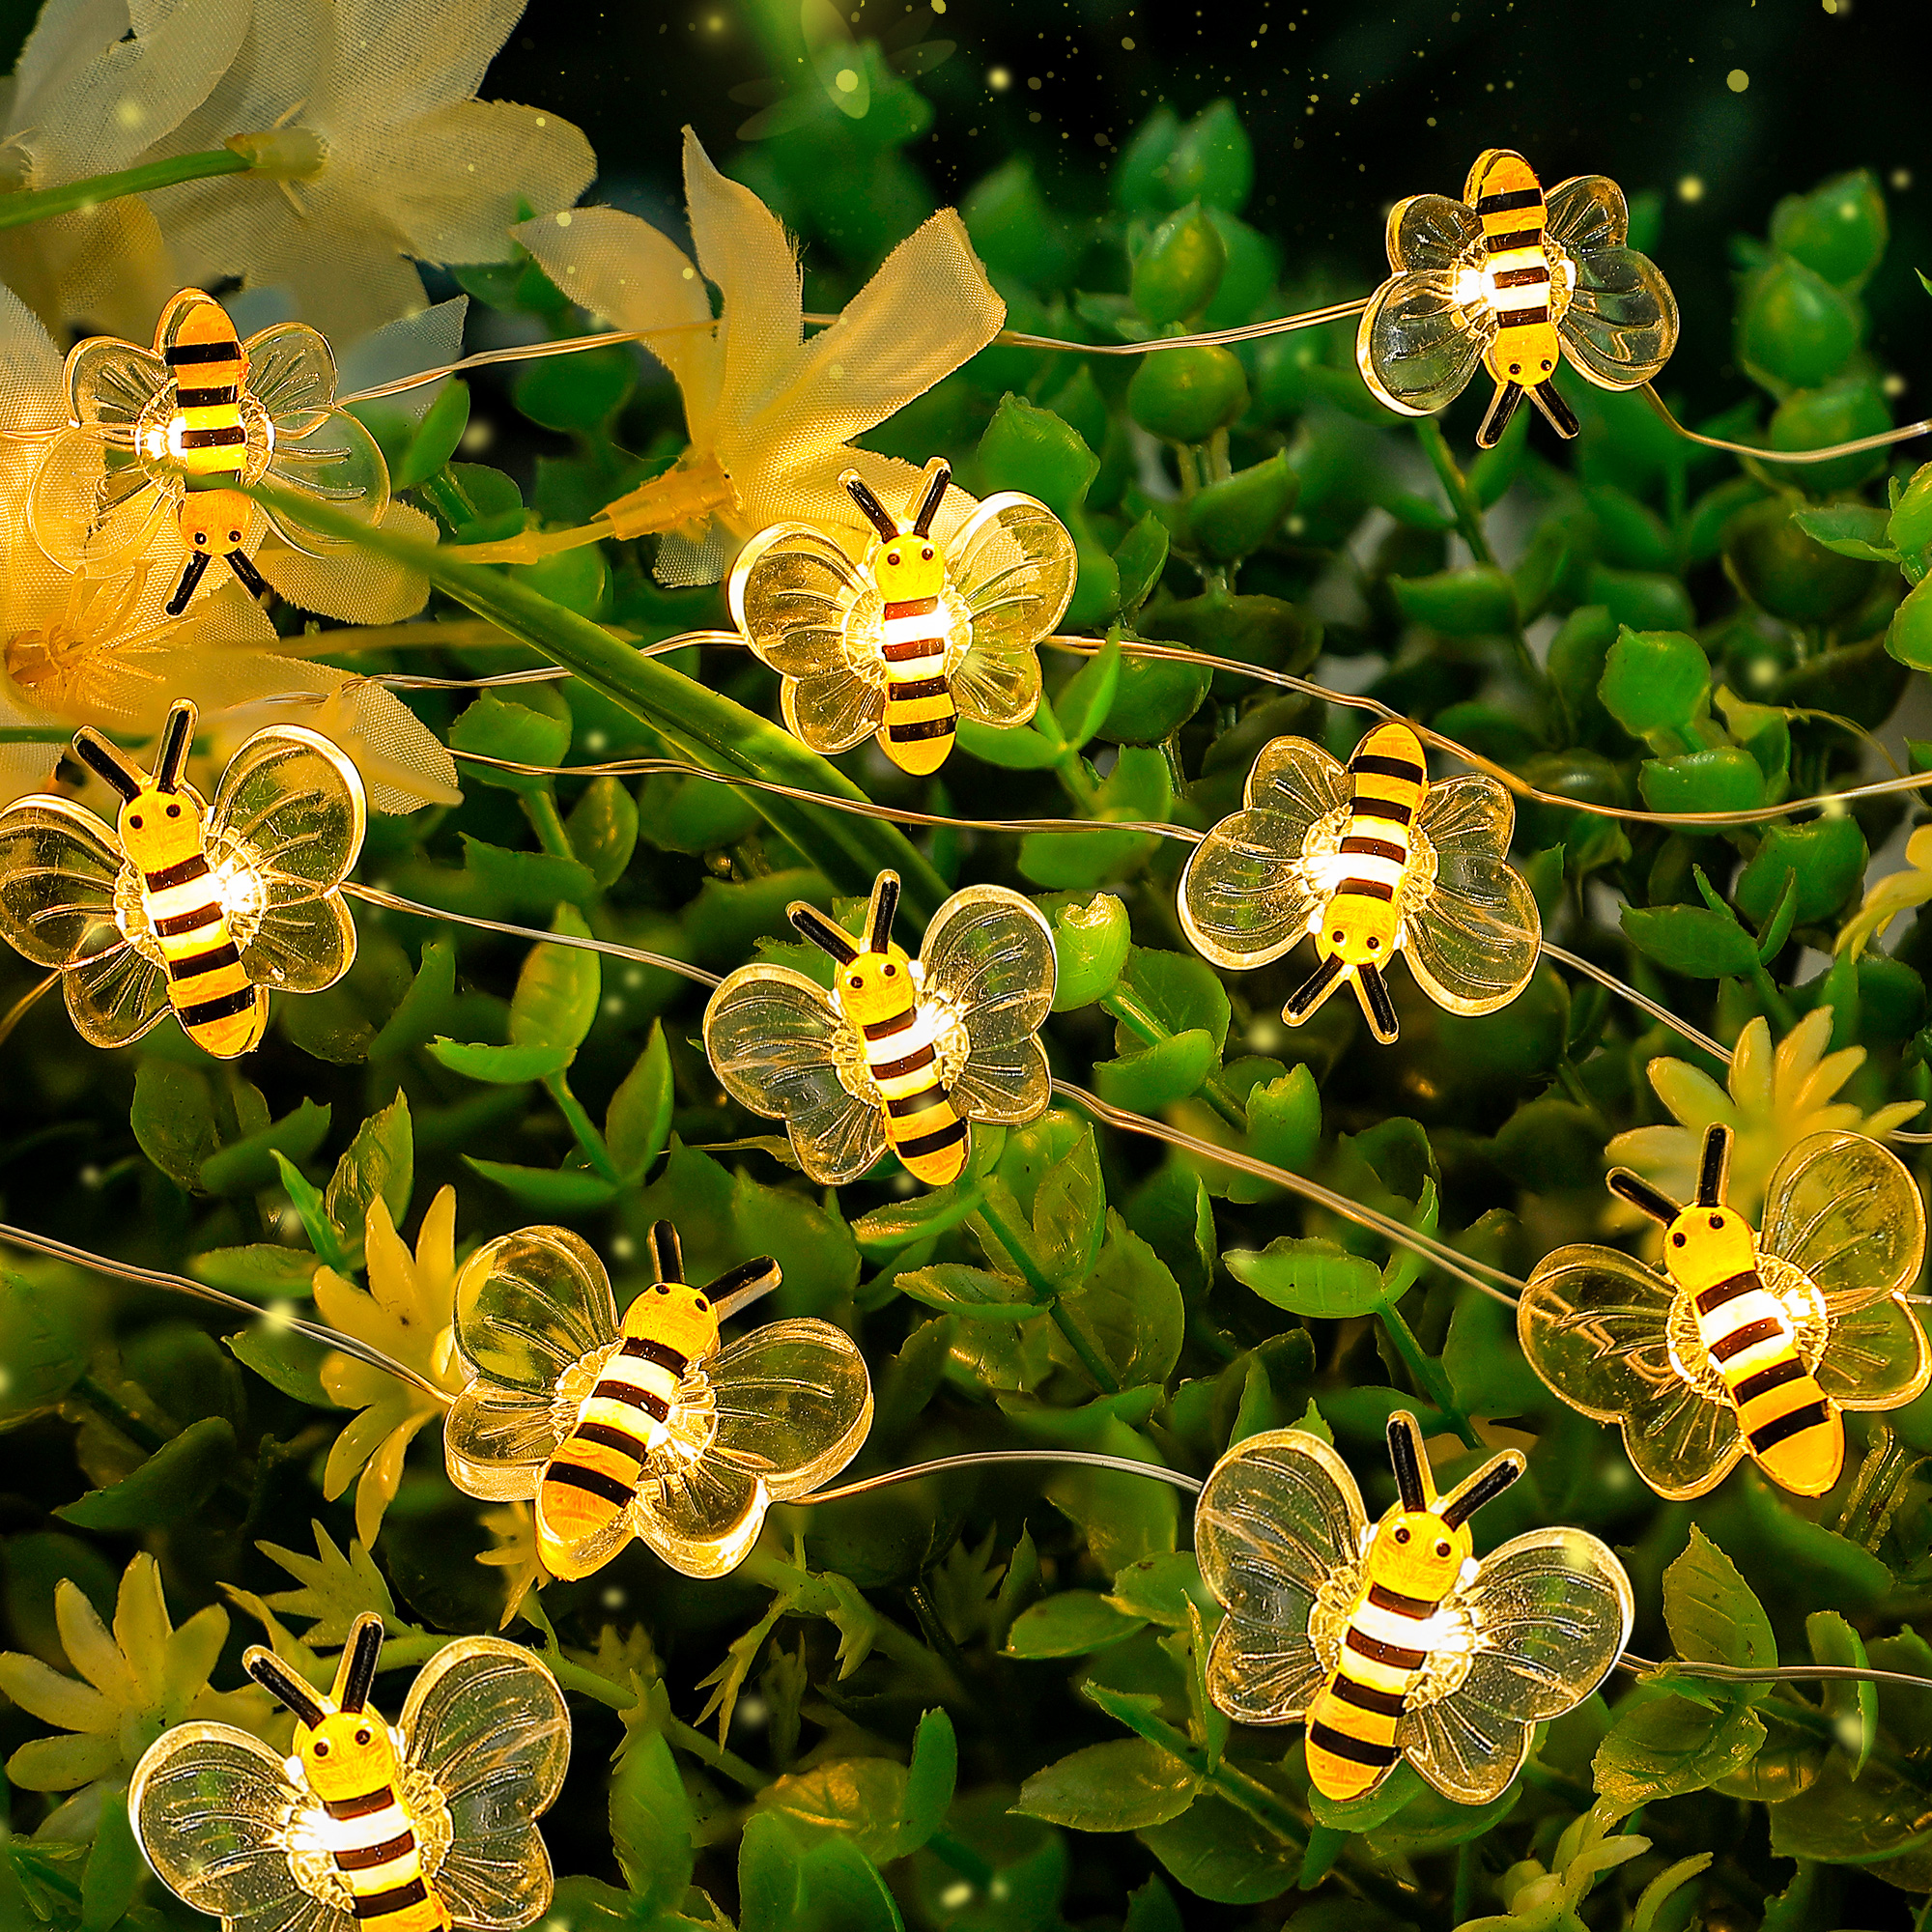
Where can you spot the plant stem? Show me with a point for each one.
(116, 1413)
(18, 210)
(1013, 1241)
(580, 1124)
(547, 822)
(1429, 1378)
(955, 1852)
(1125, 1006)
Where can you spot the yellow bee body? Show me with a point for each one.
(908, 569)
(1508, 204)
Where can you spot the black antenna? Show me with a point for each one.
(283, 1684)
(1485, 1485)
(360, 1657)
(885, 909)
(177, 735)
(876, 514)
(190, 582)
(760, 1272)
(667, 1254)
(1502, 406)
(1714, 1167)
(105, 762)
(1313, 990)
(1404, 1441)
(1376, 1004)
(1640, 1194)
(939, 475)
(822, 933)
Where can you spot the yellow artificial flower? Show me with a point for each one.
(515, 1551)
(367, 148)
(94, 86)
(1896, 892)
(132, 1684)
(407, 1311)
(1774, 1100)
(770, 415)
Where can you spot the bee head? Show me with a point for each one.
(1359, 931)
(214, 521)
(160, 820)
(670, 1311)
(1706, 1242)
(1419, 1548)
(873, 981)
(342, 1749)
(907, 561)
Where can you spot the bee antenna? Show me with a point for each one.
(1485, 1485)
(1405, 1442)
(885, 909)
(1640, 1194)
(1714, 1167)
(938, 478)
(177, 735)
(359, 1658)
(105, 762)
(666, 1253)
(875, 512)
(283, 1684)
(822, 933)
(739, 1287)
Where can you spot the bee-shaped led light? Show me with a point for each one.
(184, 905)
(1370, 860)
(902, 1053)
(178, 431)
(1508, 278)
(414, 1828)
(647, 1426)
(901, 635)
(1749, 1343)
(1392, 1640)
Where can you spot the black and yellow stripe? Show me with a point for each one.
(1355, 1718)
(921, 717)
(1787, 1421)
(596, 1469)
(382, 1866)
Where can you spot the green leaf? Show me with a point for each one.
(602, 829)
(1140, 787)
(247, 1166)
(1852, 530)
(794, 1881)
(1158, 1075)
(381, 1160)
(1179, 990)
(549, 1190)
(1433, 1823)
(173, 1119)
(576, 392)
(435, 439)
(553, 1008)
(1019, 748)
(1655, 681)
(1712, 1615)
(862, 1798)
(1309, 1276)
(172, 1486)
(1072, 1623)
(1459, 603)
(930, 1779)
(637, 1124)
(890, 1229)
(1853, 1705)
(1128, 1306)
(424, 1008)
(44, 1344)
(520, 882)
(1091, 944)
(501, 727)
(1140, 560)
(1691, 940)
(651, 1821)
(1665, 1746)
(971, 1292)
(1089, 694)
(114, 1867)
(1220, 1852)
(1119, 1786)
(263, 1269)
(288, 1361)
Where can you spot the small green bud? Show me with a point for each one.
(1457, 602)
(1655, 681)
(1910, 530)
(1141, 175)
(1784, 570)
(1213, 160)
(1838, 230)
(1177, 273)
(1030, 449)
(1829, 857)
(1186, 394)
(1229, 518)
(1841, 413)
(1090, 942)
(1910, 639)
(1723, 779)
(1795, 327)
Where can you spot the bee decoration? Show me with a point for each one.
(903, 1052)
(1747, 1344)
(414, 1828)
(183, 905)
(898, 636)
(1370, 860)
(179, 431)
(1391, 1639)
(646, 1425)
(1515, 281)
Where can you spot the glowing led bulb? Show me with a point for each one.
(1516, 280)
(182, 429)
(647, 1426)
(1750, 1343)
(184, 905)
(1394, 1641)
(903, 1052)
(899, 636)
(1370, 859)
(398, 1829)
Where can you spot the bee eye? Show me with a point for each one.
(1401, 1536)
(1442, 1549)
(890, 969)
(321, 1748)
(1677, 1240)
(201, 536)
(927, 554)
(858, 980)
(174, 811)
(135, 823)
(664, 1287)
(1372, 944)
(1516, 368)
(1717, 1220)
(363, 1737)
(892, 556)
(700, 1304)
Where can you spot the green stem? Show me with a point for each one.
(1226, 1781)
(1125, 1006)
(957, 1853)
(580, 1124)
(547, 822)
(18, 210)
(807, 1596)
(1776, 1006)
(1013, 1241)
(1429, 1378)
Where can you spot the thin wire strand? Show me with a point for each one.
(1703, 1041)
(529, 352)
(1783, 1673)
(181, 1284)
(1883, 440)
(1213, 338)
(1087, 1458)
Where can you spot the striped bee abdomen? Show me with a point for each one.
(219, 1007)
(1389, 780)
(376, 1850)
(206, 434)
(926, 1134)
(921, 717)
(1787, 1421)
(622, 1423)
(1510, 207)
(1354, 1719)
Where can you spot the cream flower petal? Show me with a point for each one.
(89, 1647)
(141, 1629)
(54, 1697)
(355, 585)
(63, 1764)
(1690, 1094)
(1752, 1074)
(381, 1478)
(352, 1448)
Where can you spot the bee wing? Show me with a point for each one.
(1844, 1211)
(116, 996)
(701, 1516)
(1247, 894)
(988, 954)
(1875, 1357)
(110, 384)
(1000, 688)
(831, 711)
(792, 589)
(1279, 1518)
(1013, 562)
(1417, 345)
(776, 1042)
(291, 374)
(530, 1305)
(1621, 324)
(488, 1723)
(211, 1808)
(91, 505)
(59, 864)
(1586, 211)
(1431, 231)
(1472, 941)
(794, 1402)
(1550, 1612)
(1593, 1325)
(338, 463)
(495, 1441)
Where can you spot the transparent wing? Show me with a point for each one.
(291, 374)
(1013, 563)
(91, 505)
(530, 1305)
(210, 1806)
(1621, 324)
(1472, 941)
(488, 1723)
(297, 804)
(1431, 231)
(701, 1516)
(1417, 345)
(1844, 1211)
(495, 1441)
(1595, 1326)
(58, 867)
(110, 383)
(794, 1402)
(792, 589)
(116, 996)
(1000, 688)
(1247, 896)
(336, 463)
(1586, 212)
(304, 945)
(1279, 1519)
(1552, 1612)
(831, 711)
(773, 1038)
(1875, 1356)
(989, 955)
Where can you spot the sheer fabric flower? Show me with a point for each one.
(369, 147)
(770, 415)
